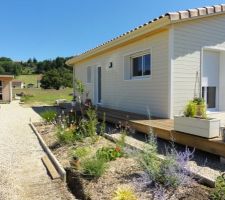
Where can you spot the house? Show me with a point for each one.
(17, 84)
(159, 66)
(6, 88)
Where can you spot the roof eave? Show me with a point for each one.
(155, 25)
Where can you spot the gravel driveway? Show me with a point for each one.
(22, 173)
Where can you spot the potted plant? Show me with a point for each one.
(194, 121)
(200, 107)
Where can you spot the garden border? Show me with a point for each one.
(51, 156)
(201, 178)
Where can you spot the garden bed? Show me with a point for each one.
(122, 172)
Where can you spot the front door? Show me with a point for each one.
(98, 85)
(1, 90)
(210, 79)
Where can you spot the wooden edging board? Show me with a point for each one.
(202, 178)
(51, 156)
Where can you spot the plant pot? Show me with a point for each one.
(207, 128)
(200, 110)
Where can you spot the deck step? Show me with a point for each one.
(50, 168)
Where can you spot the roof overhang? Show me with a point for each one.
(150, 28)
(125, 39)
(7, 76)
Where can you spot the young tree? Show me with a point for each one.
(51, 79)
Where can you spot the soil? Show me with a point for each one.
(122, 171)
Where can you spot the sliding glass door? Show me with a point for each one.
(209, 94)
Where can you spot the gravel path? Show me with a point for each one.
(22, 173)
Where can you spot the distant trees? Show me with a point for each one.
(31, 66)
(55, 72)
(7, 66)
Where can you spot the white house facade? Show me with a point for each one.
(156, 68)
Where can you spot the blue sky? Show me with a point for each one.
(45, 29)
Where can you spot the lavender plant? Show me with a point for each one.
(174, 168)
(169, 172)
(159, 193)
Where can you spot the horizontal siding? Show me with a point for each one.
(189, 38)
(134, 95)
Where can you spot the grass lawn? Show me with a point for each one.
(28, 78)
(38, 96)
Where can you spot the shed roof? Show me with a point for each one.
(159, 22)
(6, 76)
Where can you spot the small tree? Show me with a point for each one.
(51, 79)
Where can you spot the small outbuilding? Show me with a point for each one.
(6, 88)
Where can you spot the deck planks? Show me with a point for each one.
(164, 128)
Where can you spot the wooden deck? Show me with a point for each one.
(163, 128)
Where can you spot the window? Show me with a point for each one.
(141, 65)
(88, 74)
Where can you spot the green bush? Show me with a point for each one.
(49, 115)
(109, 153)
(26, 98)
(66, 136)
(171, 171)
(149, 161)
(122, 140)
(81, 152)
(94, 167)
(190, 110)
(219, 190)
(91, 124)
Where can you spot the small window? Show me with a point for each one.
(1, 84)
(88, 74)
(141, 66)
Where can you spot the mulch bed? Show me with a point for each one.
(122, 171)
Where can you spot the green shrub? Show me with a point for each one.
(91, 124)
(219, 190)
(124, 193)
(81, 152)
(109, 153)
(122, 140)
(65, 136)
(190, 110)
(172, 171)
(25, 98)
(149, 161)
(102, 126)
(94, 167)
(49, 115)
(68, 136)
